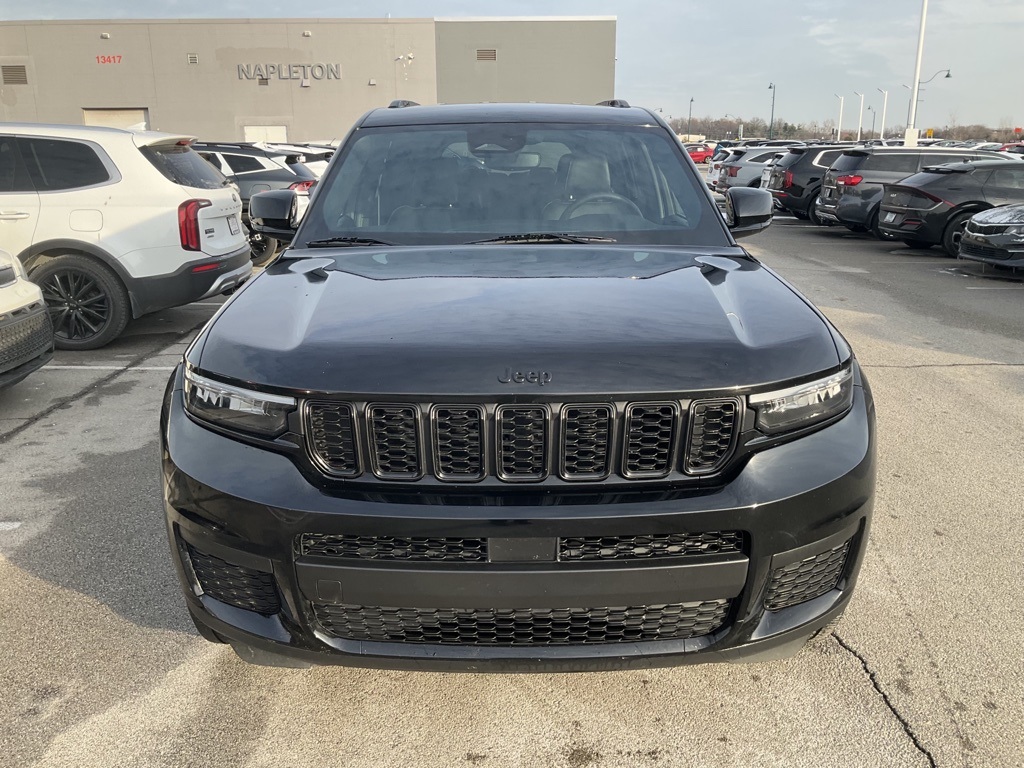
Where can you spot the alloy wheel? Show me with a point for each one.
(79, 307)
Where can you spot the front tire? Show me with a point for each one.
(87, 302)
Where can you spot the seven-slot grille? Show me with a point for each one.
(522, 443)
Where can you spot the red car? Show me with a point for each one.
(1016, 147)
(700, 153)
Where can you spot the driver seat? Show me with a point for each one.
(584, 175)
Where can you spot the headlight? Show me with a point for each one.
(10, 268)
(236, 408)
(804, 405)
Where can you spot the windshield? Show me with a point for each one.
(456, 184)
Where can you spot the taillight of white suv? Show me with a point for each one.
(188, 224)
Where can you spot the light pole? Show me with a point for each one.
(771, 124)
(689, 117)
(839, 125)
(911, 135)
(885, 103)
(860, 116)
(874, 114)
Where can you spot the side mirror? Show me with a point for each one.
(275, 214)
(748, 210)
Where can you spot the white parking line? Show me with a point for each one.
(8, 526)
(109, 367)
(994, 287)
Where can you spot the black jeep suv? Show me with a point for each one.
(514, 398)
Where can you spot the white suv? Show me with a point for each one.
(26, 339)
(115, 224)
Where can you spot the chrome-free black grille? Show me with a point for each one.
(394, 441)
(235, 585)
(650, 438)
(712, 431)
(24, 337)
(458, 442)
(331, 432)
(586, 433)
(353, 547)
(522, 626)
(575, 442)
(967, 248)
(806, 579)
(656, 545)
(522, 442)
(986, 229)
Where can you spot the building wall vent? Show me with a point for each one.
(14, 74)
(486, 54)
(193, 58)
(264, 81)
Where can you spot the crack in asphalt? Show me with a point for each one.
(86, 390)
(904, 723)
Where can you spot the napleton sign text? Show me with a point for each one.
(289, 71)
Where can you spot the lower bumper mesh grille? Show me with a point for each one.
(649, 547)
(522, 626)
(235, 585)
(982, 251)
(806, 579)
(24, 338)
(393, 548)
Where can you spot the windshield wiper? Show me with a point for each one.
(345, 242)
(545, 237)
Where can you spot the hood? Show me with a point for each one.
(516, 320)
(1005, 214)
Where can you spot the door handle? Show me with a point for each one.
(13, 215)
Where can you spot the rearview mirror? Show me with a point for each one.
(748, 210)
(275, 213)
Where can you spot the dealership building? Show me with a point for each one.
(291, 79)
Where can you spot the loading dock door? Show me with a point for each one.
(274, 134)
(117, 118)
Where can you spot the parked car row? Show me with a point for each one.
(260, 168)
(968, 201)
(114, 224)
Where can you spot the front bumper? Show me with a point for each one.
(26, 343)
(236, 509)
(999, 250)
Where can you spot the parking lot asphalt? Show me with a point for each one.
(101, 666)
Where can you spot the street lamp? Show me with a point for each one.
(839, 125)
(689, 117)
(771, 124)
(860, 116)
(912, 105)
(739, 131)
(885, 103)
(874, 114)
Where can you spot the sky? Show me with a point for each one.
(724, 56)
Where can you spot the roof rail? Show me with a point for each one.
(619, 103)
(400, 103)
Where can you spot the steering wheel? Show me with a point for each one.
(600, 197)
